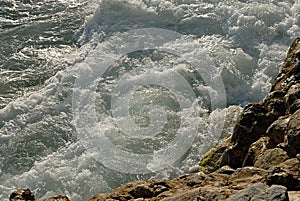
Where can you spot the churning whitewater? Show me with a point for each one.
(94, 94)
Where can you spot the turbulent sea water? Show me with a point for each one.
(94, 94)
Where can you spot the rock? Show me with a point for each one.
(226, 170)
(252, 124)
(293, 134)
(21, 195)
(289, 72)
(277, 175)
(292, 166)
(274, 193)
(243, 177)
(261, 192)
(211, 160)
(1, 121)
(57, 198)
(27, 195)
(294, 107)
(292, 95)
(141, 191)
(257, 149)
(198, 194)
(271, 157)
(294, 195)
(276, 131)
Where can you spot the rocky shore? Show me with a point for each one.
(259, 162)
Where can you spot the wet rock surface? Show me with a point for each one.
(259, 162)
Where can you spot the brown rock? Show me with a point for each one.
(141, 191)
(243, 177)
(271, 157)
(292, 95)
(295, 106)
(289, 70)
(22, 195)
(294, 195)
(211, 194)
(293, 134)
(252, 124)
(279, 176)
(256, 150)
(292, 166)
(57, 198)
(277, 131)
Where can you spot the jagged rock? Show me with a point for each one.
(275, 117)
(294, 107)
(225, 170)
(141, 191)
(243, 177)
(27, 195)
(198, 194)
(293, 134)
(290, 71)
(257, 149)
(261, 192)
(211, 160)
(276, 131)
(279, 176)
(274, 193)
(252, 124)
(22, 195)
(57, 198)
(271, 157)
(292, 95)
(292, 166)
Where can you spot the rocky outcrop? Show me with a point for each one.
(223, 184)
(21, 194)
(259, 162)
(26, 195)
(268, 133)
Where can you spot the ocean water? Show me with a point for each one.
(94, 94)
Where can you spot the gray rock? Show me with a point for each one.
(248, 193)
(261, 192)
(274, 193)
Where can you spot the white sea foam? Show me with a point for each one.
(247, 41)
